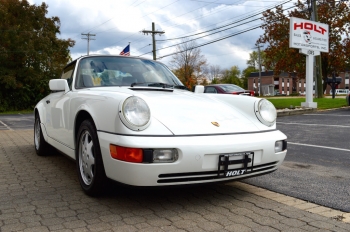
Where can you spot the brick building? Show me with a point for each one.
(286, 83)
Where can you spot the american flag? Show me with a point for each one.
(126, 51)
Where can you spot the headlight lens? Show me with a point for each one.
(135, 113)
(266, 112)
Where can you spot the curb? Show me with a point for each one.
(294, 202)
(287, 112)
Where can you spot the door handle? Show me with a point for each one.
(47, 101)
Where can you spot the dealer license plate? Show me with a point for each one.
(246, 159)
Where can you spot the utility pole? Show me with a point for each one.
(88, 35)
(259, 81)
(153, 32)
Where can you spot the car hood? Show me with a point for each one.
(185, 113)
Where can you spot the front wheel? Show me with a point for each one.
(41, 146)
(92, 176)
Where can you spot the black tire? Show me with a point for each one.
(91, 172)
(41, 146)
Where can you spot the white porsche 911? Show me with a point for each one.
(132, 121)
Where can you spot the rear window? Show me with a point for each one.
(231, 88)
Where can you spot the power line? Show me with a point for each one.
(208, 34)
(218, 10)
(226, 7)
(249, 16)
(274, 5)
(144, 47)
(163, 22)
(211, 34)
(173, 18)
(221, 3)
(212, 41)
(190, 11)
(258, 12)
(166, 21)
(218, 39)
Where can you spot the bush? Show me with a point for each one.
(294, 94)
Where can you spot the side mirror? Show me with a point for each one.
(59, 85)
(199, 89)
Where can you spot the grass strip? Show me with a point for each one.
(322, 103)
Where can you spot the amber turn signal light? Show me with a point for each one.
(133, 155)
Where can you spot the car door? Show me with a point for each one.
(58, 125)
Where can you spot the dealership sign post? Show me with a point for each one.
(311, 38)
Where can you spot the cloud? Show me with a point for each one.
(116, 23)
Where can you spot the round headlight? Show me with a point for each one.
(266, 112)
(135, 113)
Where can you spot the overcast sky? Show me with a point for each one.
(118, 22)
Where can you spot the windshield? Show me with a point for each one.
(123, 71)
(231, 88)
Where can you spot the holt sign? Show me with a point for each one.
(310, 35)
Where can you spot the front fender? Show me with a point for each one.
(40, 111)
(104, 111)
(244, 104)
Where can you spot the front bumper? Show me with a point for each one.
(198, 158)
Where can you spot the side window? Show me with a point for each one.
(68, 74)
(210, 90)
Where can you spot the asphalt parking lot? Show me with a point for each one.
(43, 194)
(16, 122)
(317, 165)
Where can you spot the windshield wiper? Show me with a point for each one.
(180, 87)
(133, 84)
(160, 84)
(153, 84)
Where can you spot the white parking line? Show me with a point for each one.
(9, 128)
(338, 115)
(303, 124)
(309, 145)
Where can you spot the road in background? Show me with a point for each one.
(317, 166)
(16, 122)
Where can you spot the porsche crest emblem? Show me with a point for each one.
(215, 124)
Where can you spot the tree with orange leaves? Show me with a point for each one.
(188, 64)
(281, 58)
